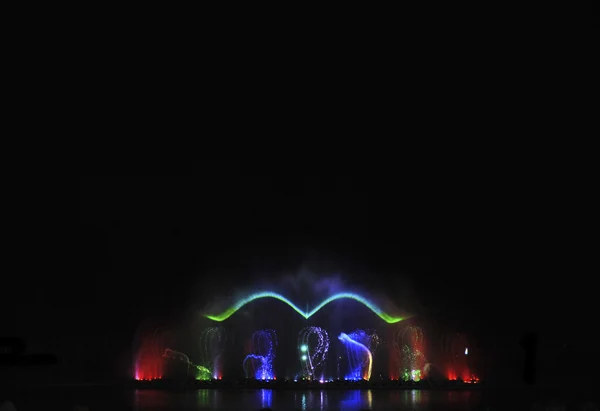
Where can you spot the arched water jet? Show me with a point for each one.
(259, 363)
(212, 346)
(313, 344)
(360, 358)
(410, 344)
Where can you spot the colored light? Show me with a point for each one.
(202, 373)
(267, 399)
(212, 344)
(260, 364)
(149, 362)
(230, 311)
(410, 344)
(415, 375)
(466, 351)
(312, 356)
(346, 339)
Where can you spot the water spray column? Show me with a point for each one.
(305, 358)
(312, 358)
(356, 364)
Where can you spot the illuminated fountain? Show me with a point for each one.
(212, 345)
(455, 350)
(313, 344)
(390, 319)
(410, 344)
(360, 356)
(156, 360)
(259, 364)
(178, 364)
(149, 361)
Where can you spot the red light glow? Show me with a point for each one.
(149, 364)
(457, 362)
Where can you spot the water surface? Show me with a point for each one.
(239, 400)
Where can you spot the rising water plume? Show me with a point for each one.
(410, 345)
(259, 363)
(313, 345)
(360, 357)
(212, 346)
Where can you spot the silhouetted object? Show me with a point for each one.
(529, 344)
(7, 406)
(12, 353)
(28, 360)
(12, 346)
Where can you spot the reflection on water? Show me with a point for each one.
(267, 398)
(338, 400)
(356, 400)
(203, 400)
(101, 398)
